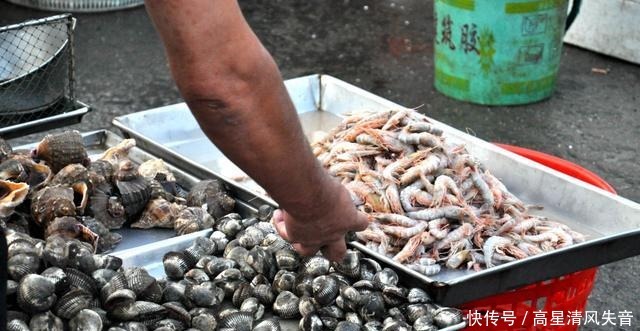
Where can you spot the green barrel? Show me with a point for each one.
(499, 52)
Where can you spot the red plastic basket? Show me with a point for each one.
(556, 303)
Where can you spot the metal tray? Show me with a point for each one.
(72, 116)
(150, 257)
(97, 142)
(612, 223)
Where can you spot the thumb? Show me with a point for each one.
(277, 220)
(362, 222)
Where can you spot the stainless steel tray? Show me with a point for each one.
(72, 116)
(150, 257)
(97, 142)
(612, 223)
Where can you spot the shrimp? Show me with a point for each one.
(426, 270)
(343, 167)
(422, 138)
(542, 237)
(398, 166)
(457, 259)
(404, 232)
(395, 219)
(525, 225)
(439, 228)
(426, 166)
(440, 187)
(393, 196)
(529, 248)
(490, 246)
(484, 190)
(462, 232)
(427, 239)
(409, 250)
(395, 119)
(423, 127)
(463, 214)
(366, 193)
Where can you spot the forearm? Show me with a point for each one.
(235, 91)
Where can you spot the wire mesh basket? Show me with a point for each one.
(79, 5)
(36, 69)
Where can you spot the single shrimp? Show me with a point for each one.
(423, 127)
(439, 228)
(407, 196)
(343, 167)
(427, 239)
(422, 138)
(395, 219)
(393, 196)
(398, 166)
(463, 231)
(463, 214)
(484, 190)
(426, 166)
(525, 225)
(409, 250)
(548, 236)
(427, 270)
(529, 248)
(395, 119)
(404, 232)
(440, 187)
(457, 259)
(490, 246)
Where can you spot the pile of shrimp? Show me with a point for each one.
(430, 203)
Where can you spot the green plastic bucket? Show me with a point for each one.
(499, 52)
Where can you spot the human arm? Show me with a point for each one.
(235, 91)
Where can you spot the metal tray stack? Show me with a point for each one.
(612, 223)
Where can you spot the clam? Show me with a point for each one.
(368, 268)
(176, 310)
(315, 266)
(203, 295)
(80, 280)
(329, 323)
(196, 276)
(350, 264)
(418, 295)
(242, 293)
(21, 265)
(86, 320)
(59, 277)
(240, 321)
(17, 325)
(325, 290)
(262, 262)
(46, 322)
(264, 293)
(372, 307)
(372, 326)
(385, 277)
(174, 291)
(394, 295)
(424, 323)
(138, 280)
(60, 150)
(107, 208)
(159, 213)
(134, 190)
(253, 305)
(306, 306)
(229, 226)
(200, 247)
(265, 212)
(445, 317)
(351, 298)
(268, 325)
(70, 228)
(139, 311)
(347, 326)
(192, 219)
(353, 318)
(284, 281)
(251, 237)
(176, 264)
(287, 259)
(217, 265)
(106, 240)
(11, 195)
(396, 325)
(212, 194)
(36, 293)
(204, 321)
(416, 311)
(311, 322)
(70, 304)
(286, 305)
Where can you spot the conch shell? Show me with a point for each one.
(11, 195)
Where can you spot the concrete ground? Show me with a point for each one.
(386, 47)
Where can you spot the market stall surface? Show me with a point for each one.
(386, 47)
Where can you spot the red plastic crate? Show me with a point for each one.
(565, 296)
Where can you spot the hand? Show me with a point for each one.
(325, 229)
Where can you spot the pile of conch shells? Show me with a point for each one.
(242, 277)
(56, 190)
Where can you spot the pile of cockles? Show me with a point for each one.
(57, 190)
(242, 277)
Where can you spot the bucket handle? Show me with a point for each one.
(573, 13)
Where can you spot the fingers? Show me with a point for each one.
(335, 251)
(278, 222)
(362, 222)
(305, 250)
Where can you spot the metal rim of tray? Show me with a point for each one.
(70, 117)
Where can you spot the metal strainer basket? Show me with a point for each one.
(87, 6)
(36, 69)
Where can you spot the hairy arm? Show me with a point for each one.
(235, 91)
